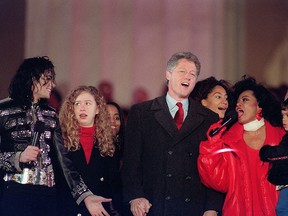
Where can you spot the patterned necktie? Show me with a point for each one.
(179, 116)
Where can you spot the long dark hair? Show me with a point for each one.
(119, 141)
(20, 89)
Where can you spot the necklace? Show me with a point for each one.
(254, 125)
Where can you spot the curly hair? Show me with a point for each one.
(70, 126)
(271, 107)
(204, 87)
(31, 69)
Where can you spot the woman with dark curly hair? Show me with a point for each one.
(88, 137)
(213, 94)
(229, 162)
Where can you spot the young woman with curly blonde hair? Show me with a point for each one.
(70, 125)
(88, 137)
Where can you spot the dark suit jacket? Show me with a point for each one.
(160, 162)
(101, 176)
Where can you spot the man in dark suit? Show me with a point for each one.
(160, 175)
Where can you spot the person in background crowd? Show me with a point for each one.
(88, 138)
(32, 153)
(118, 127)
(140, 94)
(160, 176)
(231, 163)
(278, 157)
(106, 89)
(212, 94)
(280, 92)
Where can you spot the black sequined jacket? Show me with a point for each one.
(15, 136)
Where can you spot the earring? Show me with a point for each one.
(259, 115)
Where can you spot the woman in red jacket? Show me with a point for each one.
(231, 163)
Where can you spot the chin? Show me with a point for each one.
(242, 122)
(220, 114)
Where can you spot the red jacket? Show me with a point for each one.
(227, 172)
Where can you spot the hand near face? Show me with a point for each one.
(140, 206)
(94, 205)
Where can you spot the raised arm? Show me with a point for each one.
(212, 165)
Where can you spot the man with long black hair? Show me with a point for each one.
(32, 155)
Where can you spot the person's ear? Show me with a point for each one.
(204, 102)
(168, 75)
(97, 110)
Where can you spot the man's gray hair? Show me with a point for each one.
(173, 61)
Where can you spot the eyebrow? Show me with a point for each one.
(219, 93)
(83, 100)
(245, 96)
(183, 68)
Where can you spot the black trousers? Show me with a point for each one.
(28, 200)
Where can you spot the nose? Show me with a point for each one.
(225, 101)
(188, 76)
(238, 104)
(51, 83)
(112, 120)
(82, 106)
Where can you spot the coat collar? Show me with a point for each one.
(233, 138)
(195, 116)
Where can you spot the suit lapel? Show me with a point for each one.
(193, 120)
(163, 116)
(196, 115)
